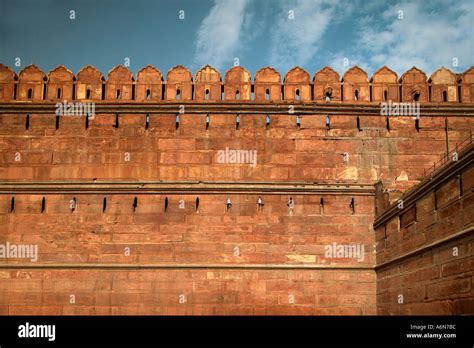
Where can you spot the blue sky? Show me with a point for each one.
(427, 34)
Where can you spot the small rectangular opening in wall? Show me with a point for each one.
(57, 122)
(73, 204)
(298, 94)
(133, 92)
(43, 205)
(27, 121)
(103, 91)
(387, 123)
(116, 125)
(435, 200)
(147, 120)
(12, 205)
(358, 124)
(135, 204)
(104, 204)
(460, 185)
(87, 121)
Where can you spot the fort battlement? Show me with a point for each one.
(207, 85)
(137, 211)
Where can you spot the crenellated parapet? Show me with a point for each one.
(414, 86)
(267, 86)
(296, 85)
(89, 84)
(384, 85)
(31, 84)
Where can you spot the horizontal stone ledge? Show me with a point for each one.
(367, 109)
(468, 232)
(186, 266)
(154, 187)
(429, 183)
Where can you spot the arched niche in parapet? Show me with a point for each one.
(385, 85)
(119, 83)
(355, 84)
(207, 84)
(31, 84)
(267, 85)
(444, 87)
(60, 84)
(179, 84)
(7, 83)
(467, 85)
(89, 83)
(296, 85)
(149, 84)
(237, 84)
(414, 86)
(327, 85)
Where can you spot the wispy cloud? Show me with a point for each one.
(428, 36)
(296, 41)
(220, 34)
(342, 61)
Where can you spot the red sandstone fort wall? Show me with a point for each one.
(246, 260)
(32, 84)
(274, 248)
(425, 251)
(285, 152)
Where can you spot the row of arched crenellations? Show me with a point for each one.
(149, 85)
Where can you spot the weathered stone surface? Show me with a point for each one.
(246, 258)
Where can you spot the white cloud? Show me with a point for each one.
(338, 62)
(220, 34)
(426, 37)
(296, 41)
